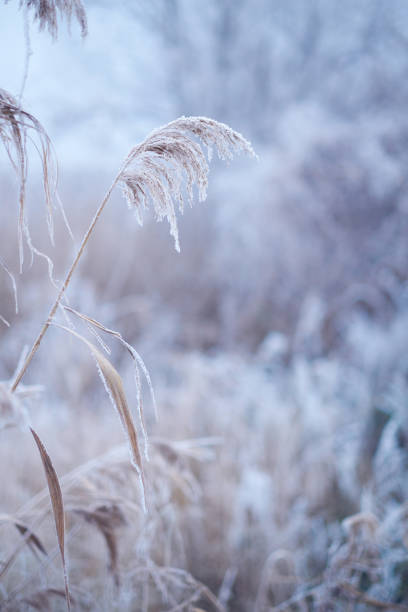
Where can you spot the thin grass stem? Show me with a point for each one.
(65, 285)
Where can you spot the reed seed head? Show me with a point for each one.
(46, 12)
(163, 169)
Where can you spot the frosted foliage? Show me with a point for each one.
(164, 168)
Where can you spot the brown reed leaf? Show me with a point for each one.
(46, 12)
(16, 127)
(31, 539)
(138, 364)
(57, 506)
(114, 386)
(164, 168)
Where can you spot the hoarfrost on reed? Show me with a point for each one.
(164, 168)
(46, 13)
(16, 127)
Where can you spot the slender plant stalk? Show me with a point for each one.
(154, 176)
(64, 287)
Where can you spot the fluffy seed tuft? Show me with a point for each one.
(164, 168)
(46, 13)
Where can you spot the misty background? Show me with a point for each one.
(282, 327)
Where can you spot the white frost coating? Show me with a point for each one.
(138, 359)
(35, 251)
(108, 391)
(97, 337)
(142, 489)
(138, 384)
(164, 168)
(64, 216)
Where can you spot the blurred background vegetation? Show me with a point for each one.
(281, 328)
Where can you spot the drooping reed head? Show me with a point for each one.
(46, 12)
(163, 169)
(16, 127)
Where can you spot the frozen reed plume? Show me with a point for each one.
(46, 13)
(156, 168)
(16, 127)
(154, 171)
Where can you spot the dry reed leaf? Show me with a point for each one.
(138, 363)
(164, 168)
(5, 566)
(114, 386)
(107, 519)
(46, 13)
(57, 506)
(31, 539)
(16, 126)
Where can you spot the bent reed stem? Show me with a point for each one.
(67, 280)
